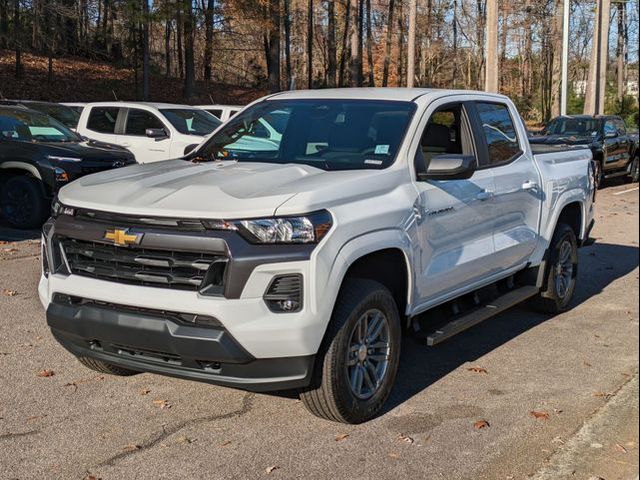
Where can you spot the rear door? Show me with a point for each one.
(517, 199)
(454, 217)
(134, 136)
(101, 124)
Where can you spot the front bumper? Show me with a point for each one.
(144, 341)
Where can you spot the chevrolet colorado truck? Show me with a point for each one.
(301, 266)
(616, 152)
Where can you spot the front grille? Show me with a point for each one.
(147, 267)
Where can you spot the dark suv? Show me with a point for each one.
(614, 150)
(38, 155)
(65, 115)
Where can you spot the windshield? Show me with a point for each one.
(572, 126)
(63, 114)
(191, 121)
(328, 134)
(33, 127)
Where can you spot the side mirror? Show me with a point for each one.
(157, 133)
(450, 166)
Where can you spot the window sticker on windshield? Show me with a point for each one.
(370, 161)
(382, 150)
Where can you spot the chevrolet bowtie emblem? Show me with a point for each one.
(122, 237)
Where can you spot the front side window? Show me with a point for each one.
(499, 132)
(103, 119)
(139, 120)
(328, 134)
(191, 121)
(610, 128)
(578, 126)
(622, 129)
(33, 127)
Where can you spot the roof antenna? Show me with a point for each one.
(114, 95)
(211, 98)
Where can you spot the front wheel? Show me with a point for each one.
(634, 172)
(22, 202)
(598, 174)
(358, 360)
(562, 271)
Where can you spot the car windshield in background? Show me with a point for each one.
(573, 126)
(65, 115)
(191, 121)
(33, 127)
(328, 134)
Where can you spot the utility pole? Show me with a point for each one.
(595, 95)
(411, 47)
(565, 58)
(491, 47)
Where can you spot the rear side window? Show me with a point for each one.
(139, 120)
(103, 119)
(216, 113)
(622, 129)
(499, 132)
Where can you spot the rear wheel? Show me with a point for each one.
(635, 170)
(598, 174)
(104, 367)
(358, 360)
(22, 202)
(562, 270)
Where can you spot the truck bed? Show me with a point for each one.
(542, 148)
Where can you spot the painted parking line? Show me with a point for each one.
(627, 191)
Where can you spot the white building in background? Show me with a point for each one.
(580, 88)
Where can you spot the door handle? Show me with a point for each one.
(484, 195)
(529, 185)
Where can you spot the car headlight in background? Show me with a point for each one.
(301, 229)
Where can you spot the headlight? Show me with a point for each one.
(54, 158)
(309, 228)
(58, 208)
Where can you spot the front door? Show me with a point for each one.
(454, 217)
(135, 138)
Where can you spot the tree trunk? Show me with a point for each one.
(309, 44)
(372, 82)
(491, 71)
(167, 48)
(17, 34)
(621, 48)
(556, 38)
(527, 60)
(454, 75)
(287, 42)
(387, 45)
(345, 45)
(355, 79)
(179, 35)
(273, 46)
(208, 45)
(331, 43)
(400, 62)
(189, 60)
(145, 50)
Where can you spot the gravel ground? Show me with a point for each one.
(571, 369)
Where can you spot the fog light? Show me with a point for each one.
(284, 294)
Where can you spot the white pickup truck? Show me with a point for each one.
(301, 266)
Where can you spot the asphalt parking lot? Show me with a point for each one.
(558, 395)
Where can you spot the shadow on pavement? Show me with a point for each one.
(8, 234)
(421, 366)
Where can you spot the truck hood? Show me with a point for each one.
(86, 150)
(220, 190)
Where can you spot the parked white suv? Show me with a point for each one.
(223, 112)
(151, 131)
(302, 265)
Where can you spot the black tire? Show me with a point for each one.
(599, 174)
(104, 367)
(22, 202)
(635, 170)
(331, 395)
(553, 298)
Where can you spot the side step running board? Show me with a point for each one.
(492, 308)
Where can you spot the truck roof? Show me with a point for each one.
(369, 93)
(124, 103)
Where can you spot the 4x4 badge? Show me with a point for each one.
(122, 237)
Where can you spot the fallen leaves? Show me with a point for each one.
(145, 392)
(403, 438)
(586, 364)
(480, 424)
(45, 373)
(132, 447)
(163, 404)
(226, 443)
(271, 469)
(185, 440)
(605, 395)
(394, 455)
(621, 448)
(539, 415)
(341, 437)
(478, 370)
(75, 383)
(9, 293)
